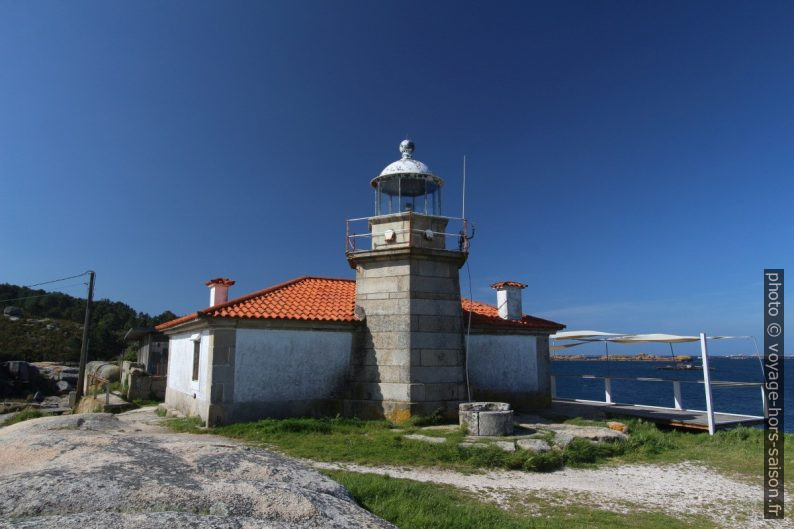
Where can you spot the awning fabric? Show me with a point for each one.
(596, 336)
(582, 335)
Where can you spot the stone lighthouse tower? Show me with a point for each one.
(410, 360)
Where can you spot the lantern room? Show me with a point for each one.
(407, 185)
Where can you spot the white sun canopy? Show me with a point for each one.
(582, 335)
(597, 336)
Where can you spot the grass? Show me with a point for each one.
(736, 452)
(142, 403)
(413, 505)
(380, 442)
(24, 415)
(186, 425)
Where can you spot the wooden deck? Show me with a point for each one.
(683, 419)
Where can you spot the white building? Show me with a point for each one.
(391, 343)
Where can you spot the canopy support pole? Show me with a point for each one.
(704, 355)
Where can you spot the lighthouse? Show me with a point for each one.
(409, 359)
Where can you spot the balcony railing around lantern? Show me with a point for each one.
(407, 229)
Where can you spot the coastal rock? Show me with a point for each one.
(102, 470)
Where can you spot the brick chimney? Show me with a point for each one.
(508, 299)
(219, 290)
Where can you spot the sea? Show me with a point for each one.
(736, 400)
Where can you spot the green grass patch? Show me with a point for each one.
(737, 452)
(186, 425)
(24, 415)
(142, 403)
(413, 505)
(380, 442)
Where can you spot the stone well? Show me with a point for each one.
(486, 418)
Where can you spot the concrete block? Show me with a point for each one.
(443, 392)
(383, 373)
(433, 307)
(386, 307)
(382, 391)
(399, 295)
(441, 357)
(388, 340)
(385, 323)
(436, 340)
(447, 324)
(417, 392)
(437, 374)
(421, 283)
(434, 269)
(371, 356)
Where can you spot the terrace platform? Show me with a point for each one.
(696, 420)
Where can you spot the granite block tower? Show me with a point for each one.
(410, 359)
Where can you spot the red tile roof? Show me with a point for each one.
(487, 316)
(327, 299)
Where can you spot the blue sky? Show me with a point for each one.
(630, 161)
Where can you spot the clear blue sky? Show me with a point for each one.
(630, 161)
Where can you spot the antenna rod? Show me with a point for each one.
(463, 213)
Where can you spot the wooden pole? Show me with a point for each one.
(704, 353)
(84, 347)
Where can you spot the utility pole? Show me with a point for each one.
(84, 347)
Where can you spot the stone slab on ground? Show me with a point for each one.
(426, 439)
(591, 433)
(535, 445)
(506, 446)
(101, 470)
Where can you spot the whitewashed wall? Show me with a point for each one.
(180, 365)
(504, 363)
(283, 365)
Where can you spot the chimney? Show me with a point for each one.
(508, 299)
(219, 290)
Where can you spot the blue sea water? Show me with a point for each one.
(736, 400)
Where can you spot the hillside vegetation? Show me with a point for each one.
(51, 325)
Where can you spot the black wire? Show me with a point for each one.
(56, 280)
(41, 295)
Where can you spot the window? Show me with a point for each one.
(196, 354)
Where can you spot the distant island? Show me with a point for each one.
(643, 357)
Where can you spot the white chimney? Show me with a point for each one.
(508, 299)
(219, 290)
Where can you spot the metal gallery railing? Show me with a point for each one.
(360, 236)
(678, 403)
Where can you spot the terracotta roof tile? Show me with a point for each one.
(487, 316)
(327, 299)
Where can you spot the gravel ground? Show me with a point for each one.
(678, 490)
(100, 470)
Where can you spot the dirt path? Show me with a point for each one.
(679, 490)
